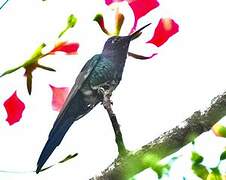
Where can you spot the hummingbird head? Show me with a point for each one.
(120, 44)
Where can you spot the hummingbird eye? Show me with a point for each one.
(115, 40)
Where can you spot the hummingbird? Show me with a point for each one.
(102, 72)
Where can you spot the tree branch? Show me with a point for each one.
(118, 135)
(167, 143)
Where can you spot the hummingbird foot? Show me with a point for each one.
(107, 99)
(105, 96)
(101, 91)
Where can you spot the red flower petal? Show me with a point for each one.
(164, 30)
(141, 8)
(69, 48)
(14, 108)
(108, 2)
(58, 97)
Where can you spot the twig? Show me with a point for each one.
(118, 135)
(166, 144)
(3, 4)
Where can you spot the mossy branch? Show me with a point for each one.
(167, 143)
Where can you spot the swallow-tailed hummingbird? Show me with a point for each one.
(102, 71)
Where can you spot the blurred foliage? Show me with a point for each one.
(219, 130)
(33, 62)
(204, 172)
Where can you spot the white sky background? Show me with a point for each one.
(154, 95)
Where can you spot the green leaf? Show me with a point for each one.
(200, 171)
(216, 171)
(10, 71)
(215, 174)
(196, 158)
(223, 156)
(68, 158)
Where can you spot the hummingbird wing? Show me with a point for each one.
(73, 109)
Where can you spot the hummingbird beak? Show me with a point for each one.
(137, 33)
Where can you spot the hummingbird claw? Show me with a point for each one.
(101, 90)
(105, 96)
